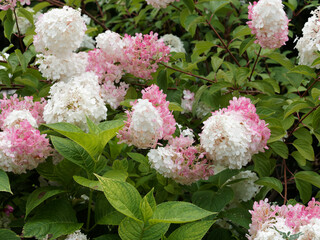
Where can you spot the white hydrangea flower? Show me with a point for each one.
(202, 110)
(268, 232)
(88, 42)
(59, 31)
(311, 230)
(173, 42)
(62, 67)
(187, 101)
(309, 43)
(6, 55)
(161, 160)
(72, 101)
(77, 235)
(111, 43)
(146, 124)
(16, 116)
(188, 132)
(246, 189)
(226, 140)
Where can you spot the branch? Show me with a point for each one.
(255, 63)
(19, 33)
(190, 74)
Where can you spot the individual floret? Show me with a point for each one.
(172, 41)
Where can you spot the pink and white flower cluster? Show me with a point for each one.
(149, 121)
(11, 4)
(232, 135)
(187, 101)
(269, 23)
(76, 95)
(22, 147)
(181, 161)
(269, 220)
(116, 55)
(160, 3)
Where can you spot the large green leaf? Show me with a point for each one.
(73, 152)
(4, 182)
(39, 195)
(7, 234)
(104, 213)
(309, 176)
(95, 185)
(122, 196)
(280, 148)
(270, 182)
(191, 231)
(262, 165)
(130, 229)
(280, 58)
(304, 148)
(305, 190)
(295, 107)
(239, 216)
(56, 218)
(178, 212)
(213, 201)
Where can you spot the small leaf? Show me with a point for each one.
(305, 190)
(270, 182)
(245, 44)
(280, 148)
(239, 216)
(189, 4)
(191, 231)
(95, 185)
(295, 107)
(178, 212)
(304, 148)
(280, 58)
(162, 80)
(309, 176)
(4, 182)
(39, 195)
(7, 234)
(8, 25)
(173, 106)
(299, 158)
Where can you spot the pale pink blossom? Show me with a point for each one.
(187, 101)
(11, 4)
(269, 23)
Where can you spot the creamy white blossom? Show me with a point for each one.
(173, 42)
(159, 3)
(23, 22)
(111, 43)
(310, 231)
(246, 189)
(268, 231)
(71, 102)
(309, 43)
(62, 67)
(59, 31)
(77, 235)
(226, 140)
(16, 116)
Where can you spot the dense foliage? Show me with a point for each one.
(159, 119)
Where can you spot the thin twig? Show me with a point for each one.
(19, 33)
(255, 63)
(315, 81)
(218, 35)
(190, 74)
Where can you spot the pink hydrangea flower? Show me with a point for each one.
(269, 23)
(7, 105)
(142, 53)
(187, 101)
(10, 4)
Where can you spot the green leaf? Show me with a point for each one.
(299, 158)
(303, 133)
(129, 229)
(309, 176)
(13, 61)
(146, 209)
(270, 182)
(73, 152)
(28, 15)
(305, 70)
(95, 185)
(242, 74)
(295, 107)
(178, 212)
(316, 119)
(277, 133)
(189, 4)
(4, 77)
(39, 195)
(202, 47)
(40, 6)
(56, 218)
(213, 201)
(261, 85)
(244, 30)
(27, 80)
(305, 190)
(8, 25)
(262, 165)
(173, 106)
(162, 80)
(122, 196)
(304, 148)
(239, 216)
(216, 63)
(105, 214)
(245, 44)
(280, 148)
(191, 231)
(281, 59)
(4, 182)
(197, 98)
(7, 234)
